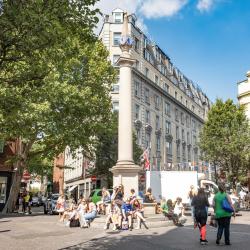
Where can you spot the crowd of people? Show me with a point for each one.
(119, 211)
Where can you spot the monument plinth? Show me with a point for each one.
(125, 172)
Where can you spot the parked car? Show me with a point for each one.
(96, 195)
(50, 204)
(35, 201)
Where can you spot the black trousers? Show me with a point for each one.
(224, 225)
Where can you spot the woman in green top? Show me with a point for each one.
(223, 217)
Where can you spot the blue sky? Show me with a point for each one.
(208, 40)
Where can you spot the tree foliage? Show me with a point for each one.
(107, 150)
(54, 76)
(225, 138)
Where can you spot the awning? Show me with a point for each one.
(72, 188)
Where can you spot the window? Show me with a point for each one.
(182, 118)
(3, 189)
(168, 127)
(167, 108)
(116, 38)
(147, 117)
(178, 149)
(183, 134)
(189, 154)
(183, 152)
(137, 44)
(157, 102)
(115, 59)
(187, 121)
(169, 147)
(177, 134)
(181, 99)
(137, 64)
(193, 124)
(146, 72)
(156, 79)
(192, 108)
(157, 122)
(115, 106)
(166, 87)
(186, 103)
(137, 89)
(137, 112)
(115, 88)
(194, 140)
(147, 96)
(177, 115)
(118, 17)
(158, 143)
(188, 138)
(147, 140)
(138, 137)
(175, 95)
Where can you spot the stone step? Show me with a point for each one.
(154, 221)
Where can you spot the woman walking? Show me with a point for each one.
(201, 204)
(222, 215)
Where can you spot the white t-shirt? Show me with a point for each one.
(178, 208)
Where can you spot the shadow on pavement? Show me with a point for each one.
(177, 238)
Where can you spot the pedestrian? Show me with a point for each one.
(191, 195)
(201, 204)
(148, 197)
(60, 206)
(127, 212)
(113, 216)
(223, 217)
(138, 213)
(118, 194)
(26, 201)
(105, 200)
(132, 196)
(178, 211)
(90, 212)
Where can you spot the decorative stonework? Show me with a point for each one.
(169, 137)
(148, 128)
(138, 124)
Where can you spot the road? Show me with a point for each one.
(45, 232)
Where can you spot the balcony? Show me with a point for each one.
(148, 128)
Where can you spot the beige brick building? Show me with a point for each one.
(168, 108)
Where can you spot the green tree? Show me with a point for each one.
(107, 150)
(54, 79)
(225, 139)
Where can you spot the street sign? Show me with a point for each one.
(26, 175)
(93, 178)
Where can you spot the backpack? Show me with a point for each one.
(74, 223)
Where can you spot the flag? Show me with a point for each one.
(146, 161)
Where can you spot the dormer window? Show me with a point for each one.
(117, 17)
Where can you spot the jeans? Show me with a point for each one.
(224, 225)
(90, 216)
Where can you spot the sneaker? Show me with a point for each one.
(114, 228)
(130, 229)
(203, 242)
(105, 227)
(228, 244)
(217, 242)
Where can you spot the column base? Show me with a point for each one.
(127, 175)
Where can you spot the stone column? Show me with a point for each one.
(125, 172)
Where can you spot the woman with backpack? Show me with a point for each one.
(223, 208)
(201, 204)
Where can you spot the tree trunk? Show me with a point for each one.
(14, 190)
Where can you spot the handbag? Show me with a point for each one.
(213, 221)
(74, 223)
(227, 206)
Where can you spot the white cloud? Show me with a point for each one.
(161, 8)
(205, 5)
